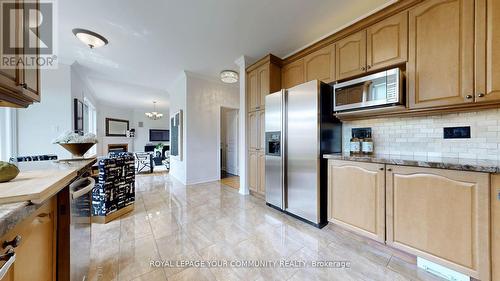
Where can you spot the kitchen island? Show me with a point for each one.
(34, 219)
(441, 209)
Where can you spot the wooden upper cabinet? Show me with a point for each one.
(263, 78)
(387, 42)
(487, 50)
(356, 197)
(292, 74)
(320, 65)
(441, 53)
(350, 54)
(263, 74)
(20, 86)
(253, 90)
(440, 215)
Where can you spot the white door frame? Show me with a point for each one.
(219, 164)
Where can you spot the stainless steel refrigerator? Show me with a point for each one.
(299, 129)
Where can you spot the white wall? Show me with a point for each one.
(107, 111)
(42, 122)
(423, 136)
(142, 134)
(205, 98)
(178, 99)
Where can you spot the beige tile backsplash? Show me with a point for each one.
(423, 136)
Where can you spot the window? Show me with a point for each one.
(89, 121)
(7, 133)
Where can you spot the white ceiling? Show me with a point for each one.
(152, 41)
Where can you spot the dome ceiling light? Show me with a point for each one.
(229, 76)
(90, 38)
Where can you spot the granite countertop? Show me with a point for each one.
(461, 164)
(43, 179)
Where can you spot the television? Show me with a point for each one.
(159, 135)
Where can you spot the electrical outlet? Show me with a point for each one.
(456, 132)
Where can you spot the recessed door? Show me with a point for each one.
(441, 53)
(387, 42)
(262, 172)
(351, 55)
(11, 77)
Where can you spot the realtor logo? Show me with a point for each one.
(28, 32)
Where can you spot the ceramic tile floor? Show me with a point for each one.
(211, 221)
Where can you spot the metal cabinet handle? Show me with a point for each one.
(363, 68)
(381, 169)
(481, 95)
(369, 66)
(10, 258)
(389, 170)
(24, 85)
(13, 243)
(468, 97)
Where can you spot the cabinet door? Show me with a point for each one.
(356, 193)
(487, 50)
(320, 65)
(253, 171)
(262, 172)
(441, 53)
(264, 76)
(495, 226)
(440, 215)
(253, 90)
(31, 74)
(350, 55)
(293, 74)
(261, 130)
(253, 124)
(10, 78)
(387, 42)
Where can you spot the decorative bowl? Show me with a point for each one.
(77, 149)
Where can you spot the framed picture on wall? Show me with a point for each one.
(78, 115)
(176, 135)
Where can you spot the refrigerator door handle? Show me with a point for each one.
(283, 148)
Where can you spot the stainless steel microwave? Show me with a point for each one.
(376, 90)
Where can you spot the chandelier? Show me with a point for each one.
(154, 115)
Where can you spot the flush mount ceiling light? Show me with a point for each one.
(90, 38)
(154, 115)
(229, 76)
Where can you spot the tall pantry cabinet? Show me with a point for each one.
(263, 78)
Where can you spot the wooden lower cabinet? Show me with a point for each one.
(262, 172)
(257, 171)
(36, 255)
(495, 227)
(440, 215)
(356, 197)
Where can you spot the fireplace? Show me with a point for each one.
(118, 147)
